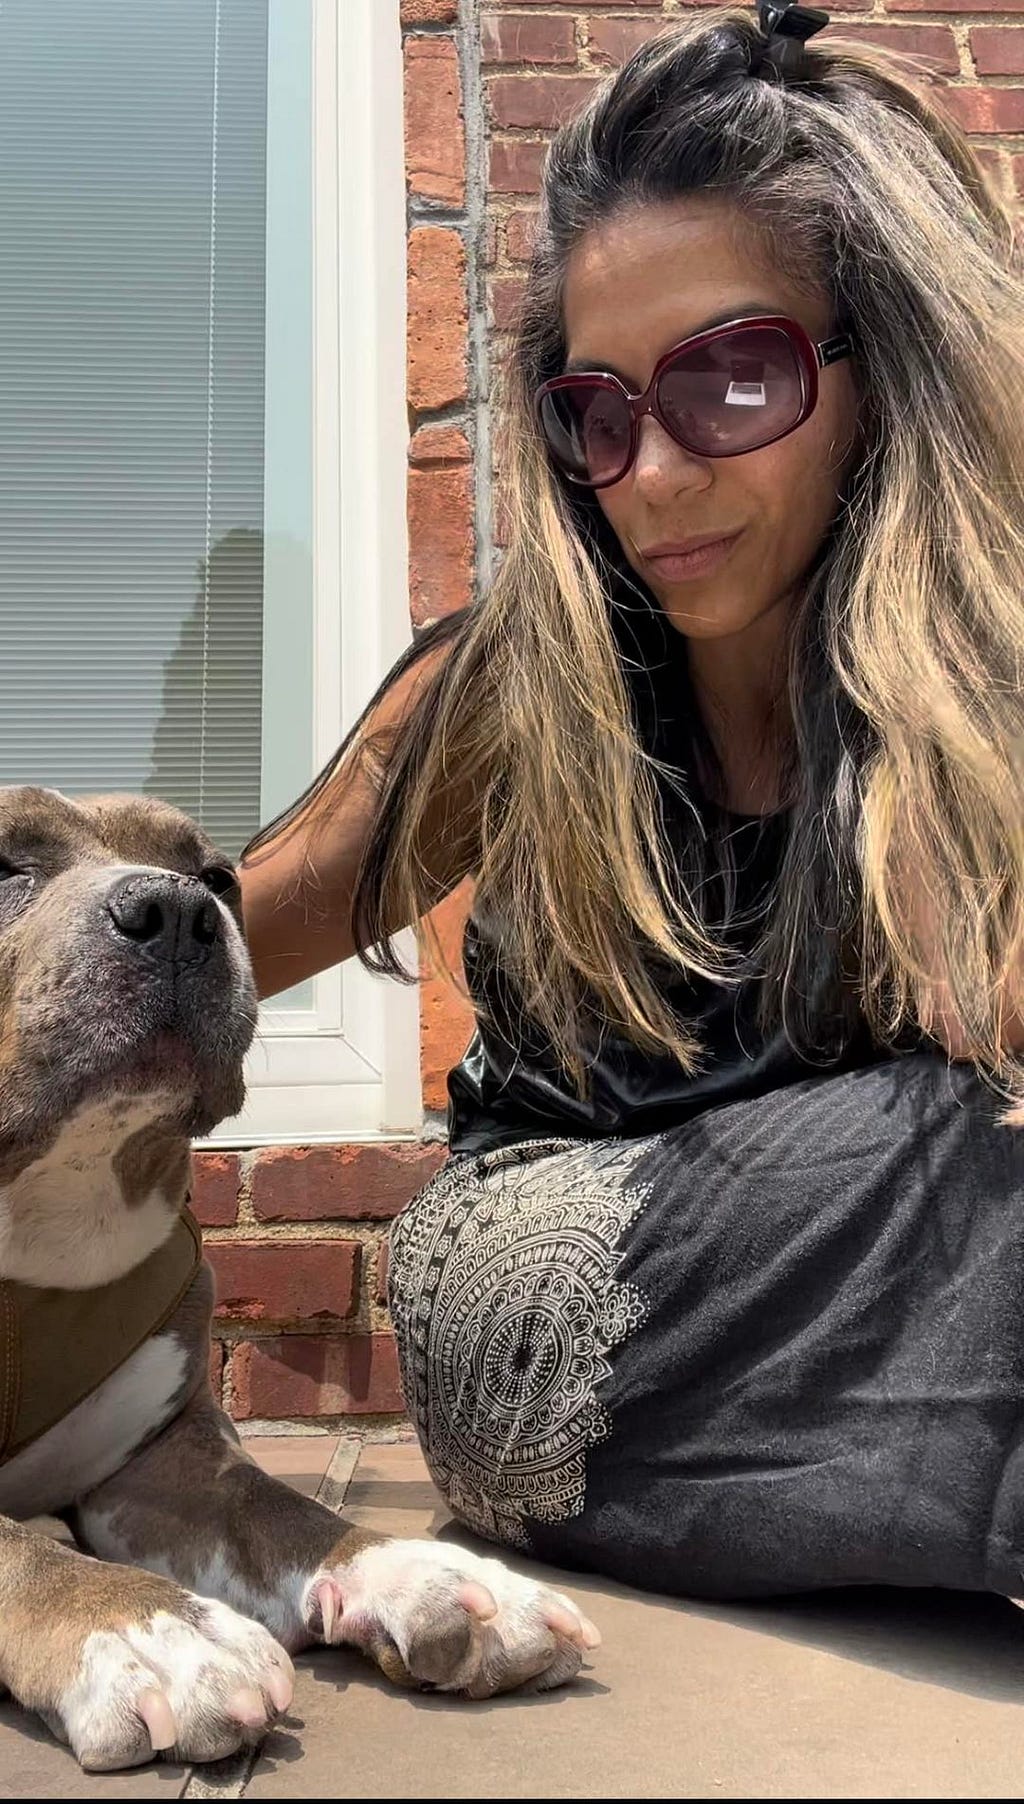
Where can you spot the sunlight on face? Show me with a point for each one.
(636, 286)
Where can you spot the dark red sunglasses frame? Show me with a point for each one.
(810, 357)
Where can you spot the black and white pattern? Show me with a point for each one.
(506, 1305)
(778, 1347)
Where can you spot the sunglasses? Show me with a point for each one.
(736, 388)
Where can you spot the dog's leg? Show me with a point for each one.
(193, 1506)
(121, 1664)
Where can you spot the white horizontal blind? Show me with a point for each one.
(132, 345)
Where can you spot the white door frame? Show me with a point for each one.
(349, 1067)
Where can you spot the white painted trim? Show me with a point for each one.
(349, 1068)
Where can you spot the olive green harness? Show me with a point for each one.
(58, 1346)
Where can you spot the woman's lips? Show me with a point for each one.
(689, 558)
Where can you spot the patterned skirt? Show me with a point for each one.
(777, 1348)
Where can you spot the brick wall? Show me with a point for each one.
(297, 1236)
(541, 58)
(297, 1240)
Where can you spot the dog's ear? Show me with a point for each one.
(220, 876)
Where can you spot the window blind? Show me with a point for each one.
(132, 350)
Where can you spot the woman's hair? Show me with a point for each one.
(905, 664)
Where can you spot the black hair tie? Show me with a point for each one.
(786, 29)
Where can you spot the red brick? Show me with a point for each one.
(520, 229)
(215, 1189)
(381, 1290)
(429, 12)
(436, 317)
(998, 49)
(931, 45)
(433, 446)
(446, 1019)
(516, 165)
(581, 6)
(955, 6)
(1017, 169)
(317, 1375)
(537, 100)
(613, 40)
(339, 1183)
(285, 1281)
(507, 38)
(985, 109)
(997, 170)
(506, 297)
(435, 149)
(440, 511)
(216, 1369)
(502, 524)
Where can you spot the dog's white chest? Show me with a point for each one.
(64, 1221)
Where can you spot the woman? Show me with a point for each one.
(721, 1291)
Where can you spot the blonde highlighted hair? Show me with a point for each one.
(905, 674)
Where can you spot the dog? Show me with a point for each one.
(126, 1009)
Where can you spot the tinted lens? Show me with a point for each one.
(587, 426)
(737, 392)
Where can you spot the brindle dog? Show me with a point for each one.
(126, 1008)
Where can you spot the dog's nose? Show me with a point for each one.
(168, 916)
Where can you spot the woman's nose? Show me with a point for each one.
(663, 465)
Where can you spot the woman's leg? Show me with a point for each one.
(778, 1348)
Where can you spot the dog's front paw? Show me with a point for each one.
(123, 1665)
(438, 1618)
(195, 1684)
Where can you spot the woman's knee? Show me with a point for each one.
(508, 1307)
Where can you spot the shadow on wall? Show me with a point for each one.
(207, 743)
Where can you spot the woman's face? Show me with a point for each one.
(635, 287)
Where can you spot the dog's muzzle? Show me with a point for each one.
(170, 919)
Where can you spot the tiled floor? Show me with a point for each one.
(865, 1696)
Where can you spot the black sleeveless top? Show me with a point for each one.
(510, 1085)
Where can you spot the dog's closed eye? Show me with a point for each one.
(219, 878)
(17, 886)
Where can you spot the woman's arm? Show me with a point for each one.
(298, 890)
